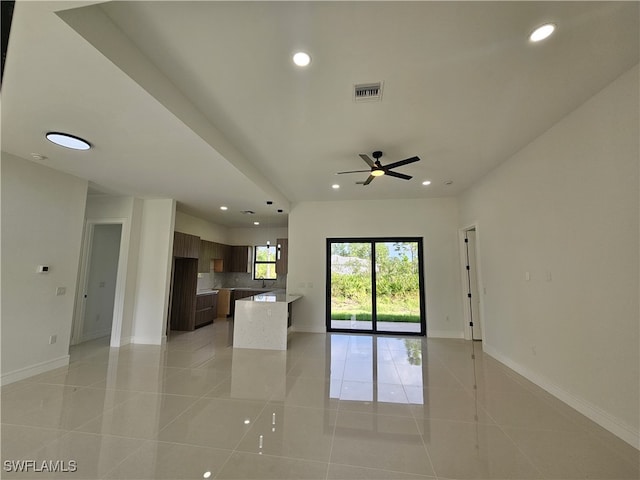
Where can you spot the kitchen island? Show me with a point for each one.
(263, 321)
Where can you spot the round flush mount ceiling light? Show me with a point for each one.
(542, 32)
(301, 59)
(68, 141)
(426, 182)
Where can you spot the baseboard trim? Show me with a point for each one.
(123, 341)
(140, 340)
(94, 335)
(444, 334)
(32, 370)
(589, 410)
(309, 329)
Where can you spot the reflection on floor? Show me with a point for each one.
(400, 327)
(332, 407)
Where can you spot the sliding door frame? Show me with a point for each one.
(373, 241)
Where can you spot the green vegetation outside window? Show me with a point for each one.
(264, 264)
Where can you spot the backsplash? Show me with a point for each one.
(237, 280)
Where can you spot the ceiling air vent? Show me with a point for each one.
(368, 92)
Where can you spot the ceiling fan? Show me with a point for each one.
(377, 169)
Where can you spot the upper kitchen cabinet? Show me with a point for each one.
(240, 260)
(214, 257)
(221, 258)
(282, 256)
(206, 256)
(185, 245)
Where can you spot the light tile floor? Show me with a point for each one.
(333, 406)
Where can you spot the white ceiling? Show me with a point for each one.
(199, 101)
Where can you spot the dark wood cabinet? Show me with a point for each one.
(206, 308)
(214, 257)
(206, 256)
(282, 256)
(183, 293)
(185, 245)
(222, 257)
(240, 259)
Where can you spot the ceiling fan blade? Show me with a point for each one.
(406, 161)
(367, 159)
(399, 175)
(353, 171)
(369, 180)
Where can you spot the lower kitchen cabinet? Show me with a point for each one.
(206, 308)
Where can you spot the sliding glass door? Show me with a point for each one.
(375, 285)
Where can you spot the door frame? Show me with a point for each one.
(373, 241)
(464, 281)
(83, 280)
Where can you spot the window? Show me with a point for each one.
(264, 264)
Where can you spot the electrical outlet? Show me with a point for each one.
(53, 339)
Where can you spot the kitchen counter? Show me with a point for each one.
(207, 291)
(274, 296)
(263, 321)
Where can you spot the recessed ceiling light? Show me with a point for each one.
(427, 182)
(68, 141)
(302, 59)
(335, 186)
(256, 223)
(223, 207)
(542, 32)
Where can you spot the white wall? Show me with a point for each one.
(436, 220)
(42, 221)
(565, 209)
(154, 271)
(129, 211)
(202, 228)
(256, 236)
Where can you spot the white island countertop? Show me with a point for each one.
(276, 296)
(262, 321)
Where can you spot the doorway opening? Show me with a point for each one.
(471, 284)
(98, 312)
(375, 285)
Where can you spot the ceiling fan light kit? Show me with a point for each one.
(376, 169)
